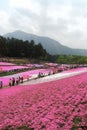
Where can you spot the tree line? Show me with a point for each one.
(19, 48)
(12, 47)
(68, 59)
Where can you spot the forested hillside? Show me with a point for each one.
(52, 46)
(11, 47)
(18, 48)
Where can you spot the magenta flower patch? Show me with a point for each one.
(55, 105)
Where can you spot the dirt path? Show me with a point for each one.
(54, 77)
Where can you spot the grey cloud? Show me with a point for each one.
(15, 20)
(45, 25)
(79, 3)
(79, 8)
(42, 23)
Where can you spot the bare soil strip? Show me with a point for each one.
(54, 77)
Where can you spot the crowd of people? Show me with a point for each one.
(15, 81)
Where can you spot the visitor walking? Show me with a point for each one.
(13, 81)
(1, 84)
(10, 82)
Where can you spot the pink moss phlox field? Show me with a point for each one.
(51, 64)
(55, 105)
(6, 63)
(35, 65)
(11, 67)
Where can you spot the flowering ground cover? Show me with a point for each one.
(55, 105)
(6, 63)
(11, 67)
(3, 64)
(51, 64)
(35, 65)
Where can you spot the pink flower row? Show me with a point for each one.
(55, 105)
(11, 67)
(6, 63)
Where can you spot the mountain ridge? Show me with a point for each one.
(52, 46)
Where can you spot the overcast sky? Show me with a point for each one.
(62, 20)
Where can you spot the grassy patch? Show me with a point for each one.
(76, 122)
(6, 73)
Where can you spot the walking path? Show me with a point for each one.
(31, 74)
(55, 76)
